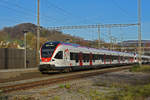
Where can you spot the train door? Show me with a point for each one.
(110, 58)
(132, 58)
(80, 59)
(90, 59)
(104, 59)
(119, 59)
(67, 57)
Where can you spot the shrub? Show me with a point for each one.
(67, 86)
(62, 86)
(137, 68)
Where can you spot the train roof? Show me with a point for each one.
(102, 50)
(63, 43)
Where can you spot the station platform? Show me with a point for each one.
(11, 73)
(15, 70)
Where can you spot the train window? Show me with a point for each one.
(59, 55)
(101, 57)
(115, 57)
(73, 56)
(77, 61)
(122, 58)
(107, 57)
(126, 58)
(111, 58)
(86, 57)
(95, 57)
(76, 55)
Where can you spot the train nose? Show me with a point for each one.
(45, 59)
(45, 67)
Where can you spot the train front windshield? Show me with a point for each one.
(47, 49)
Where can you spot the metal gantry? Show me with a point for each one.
(98, 26)
(91, 26)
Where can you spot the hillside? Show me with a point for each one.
(16, 33)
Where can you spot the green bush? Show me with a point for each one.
(62, 86)
(55, 98)
(67, 86)
(143, 68)
(135, 68)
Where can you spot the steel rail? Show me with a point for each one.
(29, 85)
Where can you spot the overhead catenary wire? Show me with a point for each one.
(17, 16)
(123, 11)
(20, 10)
(66, 12)
(28, 13)
(62, 12)
(47, 18)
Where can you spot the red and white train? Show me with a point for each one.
(66, 57)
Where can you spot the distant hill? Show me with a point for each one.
(16, 33)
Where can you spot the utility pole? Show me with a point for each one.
(99, 36)
(139, 32)
(114, 40)
(110, 37)
(38, 34)
(122, 47)
(25, 50)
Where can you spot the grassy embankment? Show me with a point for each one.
(114, 90)
(122, 91)
(125, 91)
(143, 68)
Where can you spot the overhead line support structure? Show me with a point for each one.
(99, 45)
(139, 33)
(98, 26)
(90, 26)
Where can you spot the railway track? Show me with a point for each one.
(28, 85)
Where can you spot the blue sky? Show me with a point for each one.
(79, 12)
